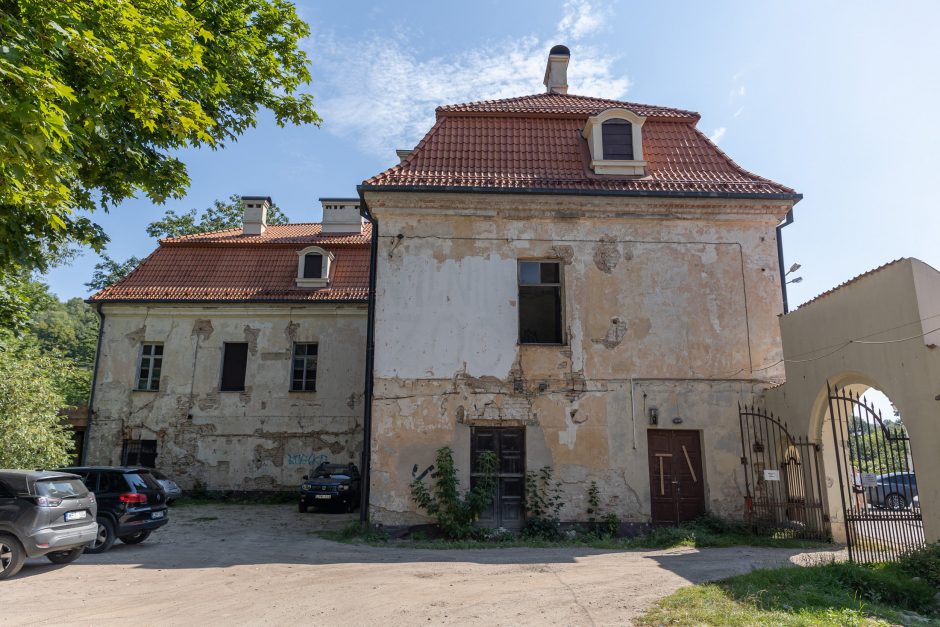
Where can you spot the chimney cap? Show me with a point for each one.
(265, 198)
(560, 49)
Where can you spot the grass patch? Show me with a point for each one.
(699, 534)
(828, 594)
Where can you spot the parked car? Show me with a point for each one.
(43, 513)
(331, 485)
(169, 486)
(893, 490)
(131, 504)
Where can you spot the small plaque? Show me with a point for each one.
(771, 475)
(869, 480)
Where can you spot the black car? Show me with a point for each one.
(331, 485)
(131, 504)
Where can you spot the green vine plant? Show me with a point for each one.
(609, 523)
(594, 502)
(543, 503)
(456, 513)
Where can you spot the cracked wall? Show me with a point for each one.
(666, 305)
(264, 438)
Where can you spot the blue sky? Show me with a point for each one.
(837, 100)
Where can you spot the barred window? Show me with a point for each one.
(148, 371)
(304, 372)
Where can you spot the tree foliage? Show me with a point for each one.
(109, 271)
(97, 97)
(220, 216)
(31, 430)
(456, 513)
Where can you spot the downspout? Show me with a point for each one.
(370, 360)
(94, 384)
(783, 274)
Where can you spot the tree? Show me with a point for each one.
(221, 215)
(108, 272)
(97, 97)
(31, 429)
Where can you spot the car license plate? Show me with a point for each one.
(322, 496)
(76, 515)
(157, 514)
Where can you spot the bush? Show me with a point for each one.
(455, 513)
(924, 563)
(543, 503)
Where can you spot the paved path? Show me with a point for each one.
(260, 565)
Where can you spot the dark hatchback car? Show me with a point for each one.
(893, 490)
(131, 504)
(331, 485)
(43, 513)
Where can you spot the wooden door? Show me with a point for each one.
(509, 445)
(677, 487)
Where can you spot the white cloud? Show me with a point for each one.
(717, 134)
(739, 111)
(381, 94)
(737, 92)
(581, 18)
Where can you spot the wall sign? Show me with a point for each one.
(771, 475)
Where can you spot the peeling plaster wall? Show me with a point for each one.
(265, 438)
(682, 299)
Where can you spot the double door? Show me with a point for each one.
(508, 443)
(677, 487)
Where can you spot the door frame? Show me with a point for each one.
(497, 520)
(697, 473)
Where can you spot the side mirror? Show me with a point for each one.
(306, 477)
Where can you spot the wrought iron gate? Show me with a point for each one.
(782, 478)
(877, 483)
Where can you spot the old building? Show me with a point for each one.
(235, 359)
(572, 282)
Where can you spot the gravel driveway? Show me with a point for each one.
(261, 565)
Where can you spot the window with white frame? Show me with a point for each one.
(313, 267)
(615, 141)
(304, 371)
(149, 367)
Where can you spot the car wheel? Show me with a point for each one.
(12, 556)
(105, 538)
(302, 508)
(895, 501)
(65, 557)
(136, 538)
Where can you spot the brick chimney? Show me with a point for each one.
(256, 214)
(341, 215)
(556, 72)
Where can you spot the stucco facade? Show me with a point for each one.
(668, 304)
(263, 438)
(892, 316)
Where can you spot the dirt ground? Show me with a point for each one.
(260, 565)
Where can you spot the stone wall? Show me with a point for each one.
(264, 438)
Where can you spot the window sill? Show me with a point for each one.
(302, 391)
(612, 166)
(146, 391)
(312, 282)
(239, 390)
(542, 344)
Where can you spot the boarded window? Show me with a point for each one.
(617, 136)
(304, 372)
(313, 266)
(148, 370)
(234, 361)
(139, 453)
(540, 302)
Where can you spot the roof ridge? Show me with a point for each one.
(474, 106)
(854, 279)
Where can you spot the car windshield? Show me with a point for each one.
(141, 481)
(333, 472)
(60, 488)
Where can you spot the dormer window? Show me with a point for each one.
(313, 267)
(615, 140)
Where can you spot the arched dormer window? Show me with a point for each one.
(313, 267)
(615, 140)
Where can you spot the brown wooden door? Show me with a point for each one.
(677, 487)
(509, 445)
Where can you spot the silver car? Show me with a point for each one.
(169, 486)
(43, 513)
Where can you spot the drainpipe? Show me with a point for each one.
(94, 384)
(783, 273)
(366, 473)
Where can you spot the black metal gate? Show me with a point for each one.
(877, 483)
(782, 478)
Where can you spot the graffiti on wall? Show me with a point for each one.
(305, 459)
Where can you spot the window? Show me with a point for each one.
(148, 372)
(304, 374)
(234, 362)
(313, 266)
(540, 302)
(139, 453)
(617, 137)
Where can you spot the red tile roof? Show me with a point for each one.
(534, 143)
(232, 267)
